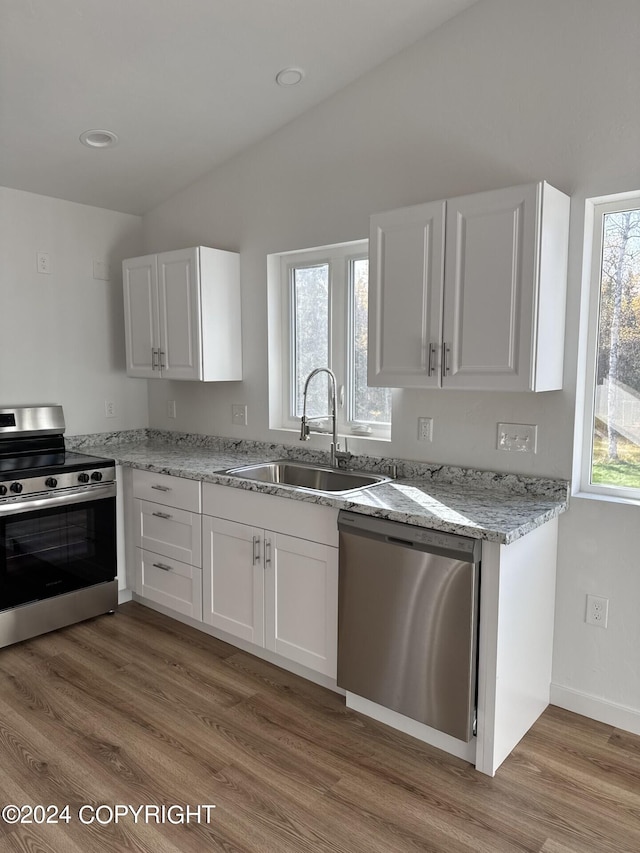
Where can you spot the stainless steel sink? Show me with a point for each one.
(299, 475)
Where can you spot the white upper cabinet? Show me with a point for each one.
(469, 293)
(182, 315)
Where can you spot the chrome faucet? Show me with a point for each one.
(337, 455)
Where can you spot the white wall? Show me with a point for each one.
(509, 92)
(62, 335)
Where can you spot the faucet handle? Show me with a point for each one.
(304, 429)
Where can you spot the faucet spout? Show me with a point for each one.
(304, 424)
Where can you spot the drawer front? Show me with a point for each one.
(170, 583)
(170, 491)
(171, 532)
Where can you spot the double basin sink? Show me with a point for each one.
(300, 475)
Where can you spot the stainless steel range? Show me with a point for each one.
(57, 527)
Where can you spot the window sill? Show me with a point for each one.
(599, 496)
(287, 432)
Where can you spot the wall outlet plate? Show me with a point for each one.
(171, 408)
(522, 438)
(43, 263)
(239, 414)
(597, 611)
(110, 409)
(425, 429)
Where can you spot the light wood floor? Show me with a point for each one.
(138, 709)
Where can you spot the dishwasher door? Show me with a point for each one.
(408, 620)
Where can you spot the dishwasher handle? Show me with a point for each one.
(401, 535)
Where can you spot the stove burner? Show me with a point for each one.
(33, 458)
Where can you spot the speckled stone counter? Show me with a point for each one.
(481, 504)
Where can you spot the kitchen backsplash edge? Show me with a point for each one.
(406, 469)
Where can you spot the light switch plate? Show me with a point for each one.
(522, 438)
(101, 270)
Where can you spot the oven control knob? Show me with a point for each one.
(83, 478)
(51, 482)
(16, 488)
(3, 490)
(97, 476)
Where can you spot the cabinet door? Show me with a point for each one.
(179, 314)
(141, 323)
(490, 289)
(233, 578)
(406, 258)
(301, 601)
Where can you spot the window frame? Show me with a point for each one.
(339, 258)
(597, 209)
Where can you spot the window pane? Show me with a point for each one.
(616, 429)
(367, 405)
(310, 286)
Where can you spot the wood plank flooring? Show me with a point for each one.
(138, 709)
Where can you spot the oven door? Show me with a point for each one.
(56, 544)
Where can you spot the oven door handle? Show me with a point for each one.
(60, 499)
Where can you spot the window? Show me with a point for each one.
(323, 303)
(611, 453)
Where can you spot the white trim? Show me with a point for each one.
(595, 210)
(619, 716)
(281, 328)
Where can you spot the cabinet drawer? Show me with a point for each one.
(169, 582)
(171, 532)
(167, 490)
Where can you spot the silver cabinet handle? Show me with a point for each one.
(446, 352)
(162, 364)
(154, 359)
(430, 362)
(161, 515)
(267, 552)
(256, 550)
(161, 488)
(163, 567)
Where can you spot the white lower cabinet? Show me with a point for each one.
(169, 582)
(233, 582)
(168, 540)
(266, 586)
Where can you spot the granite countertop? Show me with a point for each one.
(481, 504)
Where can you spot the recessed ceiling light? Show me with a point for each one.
(289, 76)
(99, 138)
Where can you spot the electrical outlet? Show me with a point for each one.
(597, 611)
(238, 414)
(523, 438)
(110, 409)
(171, 408)
(425, 429)
(43, 263)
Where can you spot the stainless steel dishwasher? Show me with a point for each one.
(408, 620)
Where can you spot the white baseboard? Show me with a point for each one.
(597, 709)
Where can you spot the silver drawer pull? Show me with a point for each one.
(161, 488)
(163, 567)
(431, 360)
(256, 550)
(267, 552)
(446, 352)
(161, 514)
